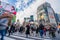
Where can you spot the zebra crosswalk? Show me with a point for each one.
(18, 36)
(29, 38)
(14, 37)
(7, 38)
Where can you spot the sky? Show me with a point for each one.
(32, 8)
(55, 5)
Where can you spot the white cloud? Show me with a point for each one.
(55, 5)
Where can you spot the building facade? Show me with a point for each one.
(57, 16)
(46, 14)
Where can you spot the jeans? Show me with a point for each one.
(2, 32)
(41, 33)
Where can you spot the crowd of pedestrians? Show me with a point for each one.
(30, 30)
(6, 27)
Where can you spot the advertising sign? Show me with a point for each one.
(51, 15)
(10, 8)
(7, 7)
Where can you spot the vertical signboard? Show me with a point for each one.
(51, 15)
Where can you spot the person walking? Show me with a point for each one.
(58, 27)
(21, 29)
(11, 30)
(41, 29)
(5, 19)
(45, 31)
(37, 31)
(27, 30)
(52, 31)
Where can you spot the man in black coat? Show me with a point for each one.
(27, 30)
(41, 29)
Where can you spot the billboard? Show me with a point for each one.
(7, 7)
(51, 15)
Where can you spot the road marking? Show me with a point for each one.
(21, 37)
(33, 37)
(7, 38)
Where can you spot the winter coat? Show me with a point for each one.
(28, 29)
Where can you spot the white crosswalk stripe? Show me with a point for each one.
(7, 38)
(21, 37)
(14, 37)
(30, 38)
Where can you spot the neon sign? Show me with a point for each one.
(24, 4)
